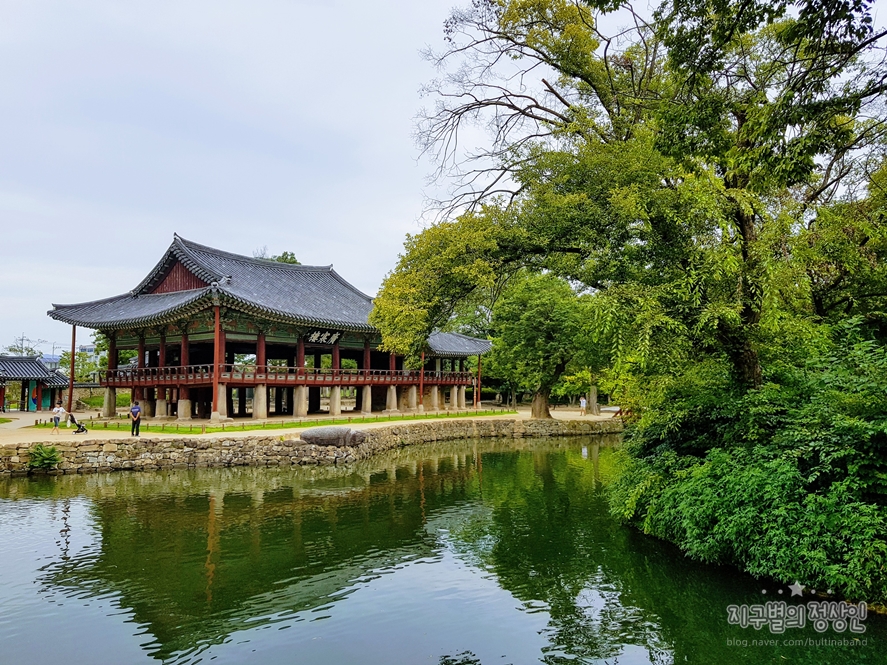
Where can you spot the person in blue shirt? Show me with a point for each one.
(135, 415)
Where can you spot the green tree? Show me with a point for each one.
(537, 326)
(635, 171)
(286, 257)
(84, 368)
(283, 257)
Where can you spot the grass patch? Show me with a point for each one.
(247, 426)
(5, 420)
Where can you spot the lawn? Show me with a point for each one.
(247, 425)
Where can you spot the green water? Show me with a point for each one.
(458, 553)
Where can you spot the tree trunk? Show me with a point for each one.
(737, 339)
(539, 408)
(593, 407)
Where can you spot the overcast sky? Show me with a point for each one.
(237, 124)
(284, 124)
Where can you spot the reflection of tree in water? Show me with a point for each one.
(547, 539)
(198, 556)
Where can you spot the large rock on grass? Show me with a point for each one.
(333, 436)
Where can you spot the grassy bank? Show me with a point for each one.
(247, 425)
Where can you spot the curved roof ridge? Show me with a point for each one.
(351, 286)
(92, 302)
(269, 263)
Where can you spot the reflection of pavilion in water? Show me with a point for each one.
(207, 560)
(198, 556)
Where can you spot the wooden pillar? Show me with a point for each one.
(218, 356)
(140, 364)
(300, 352)
(422, 384)
(367, 358)
(112, 350)
(161, 352)
(477, 389)
(71, 373)
(2, 398)
(184, 360)
(336, 357)
(392, 362)
(39, 405)
(261, 359)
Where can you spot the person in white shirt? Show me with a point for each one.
(582, 404)
(58, 413)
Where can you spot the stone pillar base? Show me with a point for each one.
(222, 403)
(216, 417)
(366, 400)
(260, 402)
(300, 401)
(109, 407)
(391, 402)
(148, 408)
(184, 409)
(336, 401)
(160, 409)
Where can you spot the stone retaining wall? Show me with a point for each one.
(145, 453)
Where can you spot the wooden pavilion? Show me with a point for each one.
(200, 308)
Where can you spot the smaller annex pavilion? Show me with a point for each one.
(40, 386)
(201, 310)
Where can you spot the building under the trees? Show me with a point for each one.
(220, 335)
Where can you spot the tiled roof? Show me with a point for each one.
(454, 345)
(30, 368)
(130, 310)
(280, 291)
(306, 295)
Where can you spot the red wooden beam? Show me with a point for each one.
(217, 343)
(261, 358)
(71, 373)
(422, 380)
(112, 350)
(477, 392)
(300, 352)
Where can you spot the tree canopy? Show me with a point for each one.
(711, 182)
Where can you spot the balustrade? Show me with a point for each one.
(275, 375)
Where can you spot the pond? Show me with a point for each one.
(463, 553)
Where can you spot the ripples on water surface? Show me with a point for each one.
(459, 553)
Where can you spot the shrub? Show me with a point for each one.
(44, 457)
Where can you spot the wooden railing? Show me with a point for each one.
(273, 375)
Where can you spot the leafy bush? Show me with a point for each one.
(44, 457)
(788, 481)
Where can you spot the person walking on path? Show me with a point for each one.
(58, 413)
(582, 404)
(135, 415)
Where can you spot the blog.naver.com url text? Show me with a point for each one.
(800, 642)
